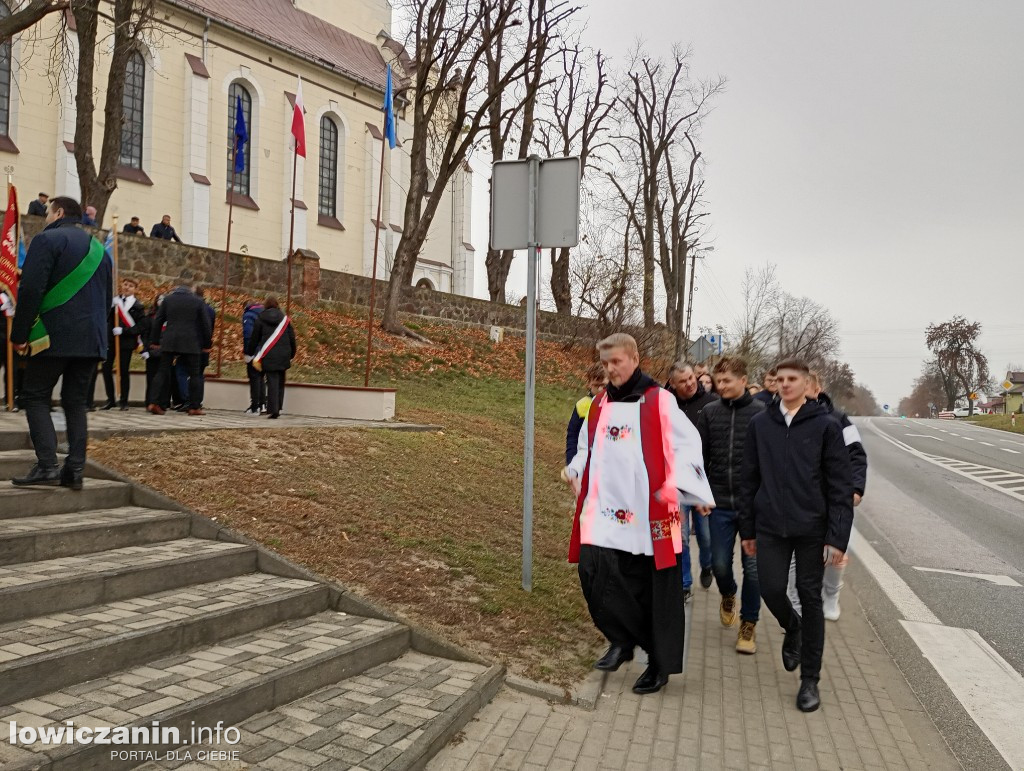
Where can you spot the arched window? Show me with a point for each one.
(242, 177)
(133, 103)
(328, 167)
(5, 78)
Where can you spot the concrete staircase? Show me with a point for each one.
(118, 608)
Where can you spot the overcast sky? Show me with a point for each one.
(874, 151)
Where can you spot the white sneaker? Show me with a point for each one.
(830, 607)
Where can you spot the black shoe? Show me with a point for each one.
(108, 406)
(687, 594)
(69, 477)
(707, 575)
(124, 408)
(615, 657)
(791, 646)
(651, 681)
(90, 408)
(808, 700)
(39, 475)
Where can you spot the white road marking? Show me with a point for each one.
(990, 689)
(998, 580)
(1007, 449)
(987, 444)
(909, 605)
(1010, 441)
(957, 467)
(928, 436)
(967, 438)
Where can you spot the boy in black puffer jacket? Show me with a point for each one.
(723, 432)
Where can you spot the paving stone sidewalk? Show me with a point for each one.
(138, 420)
(726, 711)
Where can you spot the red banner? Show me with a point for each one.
(9, 247)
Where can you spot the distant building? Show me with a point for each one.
(178, 118)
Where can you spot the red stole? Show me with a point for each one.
(661, 517)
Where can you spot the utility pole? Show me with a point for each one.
(689, 302)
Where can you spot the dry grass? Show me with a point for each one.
(429, 524)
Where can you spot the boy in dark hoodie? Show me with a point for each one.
(796, 499)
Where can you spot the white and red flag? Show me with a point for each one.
(299, 124)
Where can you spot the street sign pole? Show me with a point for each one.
(534, 205)
(532, 256)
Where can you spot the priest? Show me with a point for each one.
(638, 461)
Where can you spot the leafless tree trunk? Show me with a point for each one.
(131, 18)
(450, 98)
(573, 121)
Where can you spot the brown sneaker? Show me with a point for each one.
(745, 641)
(727, 610)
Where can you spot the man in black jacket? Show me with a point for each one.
(832, 582)
(692, 398)
(125, 316)
(181, 328)
(797, 498)
(723, 433)
(163, 230)
(68, 338)
(133, 228)
(38, 207)
(770, 387)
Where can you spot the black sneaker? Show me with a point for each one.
(707, 575)
(808, 700)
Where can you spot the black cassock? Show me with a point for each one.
(632, 603)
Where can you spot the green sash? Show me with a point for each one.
(62, 291)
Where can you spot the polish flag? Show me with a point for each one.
(299, 124)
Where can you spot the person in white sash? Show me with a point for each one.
(271, 349)
(125, 316)
(638, 461)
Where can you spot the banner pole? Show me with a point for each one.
(117, 319)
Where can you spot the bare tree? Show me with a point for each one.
(572, 123)
(657, 102)
(512, 113)
(131, 18)
(962, 367)
(450, 98)
(28, 15)
(752, 332)
(805, 329)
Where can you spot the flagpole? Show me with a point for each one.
(117, 320)
(227, 253)
(291, 233)
(376, 247)
(9, 364)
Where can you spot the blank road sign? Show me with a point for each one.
(558, 203)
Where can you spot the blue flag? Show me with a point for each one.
(108, 245)
(21, 252)
(389, 113)
(241, 136)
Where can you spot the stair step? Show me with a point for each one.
(395, 716)
(46, 653)
(14, 463)
(66, 583)
(40, 501)
(14, 440)
(29, 539)
(227, 682)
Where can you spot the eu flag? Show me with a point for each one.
(241, 136)
(389, 113)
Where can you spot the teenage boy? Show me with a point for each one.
(596, 381)
(723, 433)
(797, 499)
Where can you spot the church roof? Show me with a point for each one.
(281, 24)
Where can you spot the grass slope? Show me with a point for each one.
(427, 523)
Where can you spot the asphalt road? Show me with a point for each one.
(918, 513)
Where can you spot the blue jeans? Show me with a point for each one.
(701, 529)
(723, 541)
